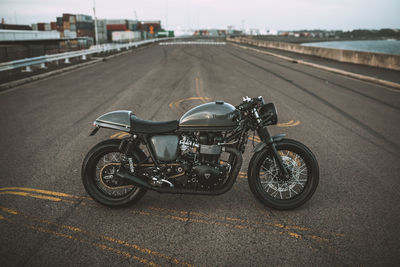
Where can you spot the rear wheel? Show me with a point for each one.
(99, 175)
(265, 180)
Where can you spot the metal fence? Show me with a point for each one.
(41, 61)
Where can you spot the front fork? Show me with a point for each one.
(269, 141)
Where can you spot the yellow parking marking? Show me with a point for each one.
(290, 123)
(176, 104)
(185, 213)
(115, 135)
(29, 195)
(198, 88)
(101, 246)
(47, 192)
(294, 235)
(119, 135)
(123, 135)
(8, 210)
(108, 238)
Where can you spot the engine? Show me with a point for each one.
(203, 153)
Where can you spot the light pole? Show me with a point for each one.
(95, 23)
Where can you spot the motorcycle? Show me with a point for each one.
(199, 154)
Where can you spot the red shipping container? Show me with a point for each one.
(40, 26)
(117, 27)
(53, 26)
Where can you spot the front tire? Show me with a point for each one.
(98, 175)
(269, 189)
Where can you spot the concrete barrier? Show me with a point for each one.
(357, 57)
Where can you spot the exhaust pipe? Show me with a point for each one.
(231, 179)
(123, 174)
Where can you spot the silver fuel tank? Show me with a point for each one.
(210, 116)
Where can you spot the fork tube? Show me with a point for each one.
(266, 138)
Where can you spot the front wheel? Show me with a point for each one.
(267, 185)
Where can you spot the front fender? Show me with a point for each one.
(275, 138)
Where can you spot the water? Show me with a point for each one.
(377, 46)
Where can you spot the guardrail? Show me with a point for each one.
(42, 60)
(194, 43)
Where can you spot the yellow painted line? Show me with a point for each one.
(108, 238)
(286, 123)
(147, 251)
(123, 135)
(47, 192)
(30, 195)
(294, 235)
(318, 238)
(198, 86)
(101, 246)
(176, 104)
(290, 123)
(10, 211)
(70, 237)
(116, 134)
(242, 175)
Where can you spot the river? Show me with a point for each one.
(377, 46)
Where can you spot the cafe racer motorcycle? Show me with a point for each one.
(199, 154)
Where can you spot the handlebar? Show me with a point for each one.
(250, 103)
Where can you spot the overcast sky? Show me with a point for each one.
(261, 14)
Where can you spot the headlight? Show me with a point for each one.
(269, 114)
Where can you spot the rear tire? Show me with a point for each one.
(304, 176)
(94, 182)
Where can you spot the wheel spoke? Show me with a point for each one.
(269, 175)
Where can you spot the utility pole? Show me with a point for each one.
(166, 11)
(95, 23)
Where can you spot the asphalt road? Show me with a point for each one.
(353, 127)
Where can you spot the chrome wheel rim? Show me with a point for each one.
(298, 176)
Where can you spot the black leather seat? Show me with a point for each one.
(152, 127)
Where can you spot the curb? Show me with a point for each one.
(318, 66)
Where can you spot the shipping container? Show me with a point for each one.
(59, 21)
(66, 25)
(133, 25)
(35, 27)
(116, 21)
(72, 19)
(66, 17)
(84, 33)
(72, 27)
(53, 26)
(18, 35)
(145, 25)
(19, 27)
(123, 36)
(47, 27)
(85, 25)
(117, 27)
(69, 34)
(83, 18)
(162, 34)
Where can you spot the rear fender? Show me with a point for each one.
(116, 120)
